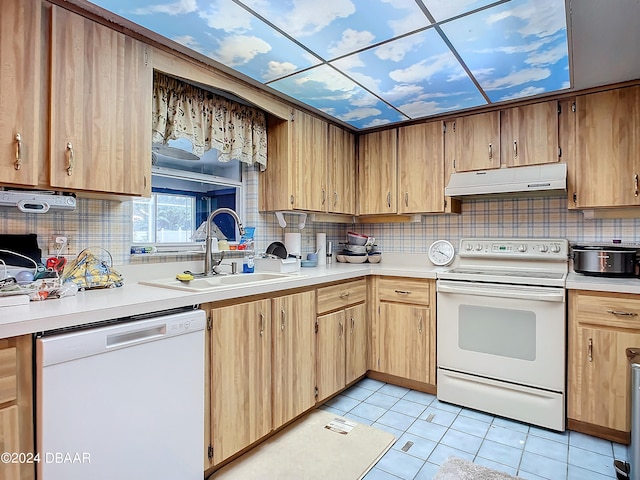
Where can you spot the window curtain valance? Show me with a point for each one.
(209, 121)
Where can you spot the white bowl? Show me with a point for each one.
(375, 258)
(356, 258)
(356, 238)
(341, 258)
(355, 248)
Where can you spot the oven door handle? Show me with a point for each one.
(501, 292)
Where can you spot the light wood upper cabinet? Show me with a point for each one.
(529, 134)
(421, 168)
(101, 88)
(293, 368)
(607, 145)
(377, 163)
(240, 376)
(601, 327)
(341, 171)
(477, 139)
(309, 162)
(20, 134)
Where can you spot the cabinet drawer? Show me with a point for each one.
(404, 290)
(8, 375)
(610, 309)
(341, 295)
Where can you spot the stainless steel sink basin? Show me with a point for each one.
(203, 284)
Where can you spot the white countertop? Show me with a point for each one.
(133, 298)
(576, 281)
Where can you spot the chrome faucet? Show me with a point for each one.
(208, 264)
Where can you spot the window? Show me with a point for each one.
(185, 190)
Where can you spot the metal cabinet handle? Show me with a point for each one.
(335, 198)
(590, 350)
(622, 314)
(635, 184)
(490, 151)
(261, 323)
(406, 199)
(18, 163)
(283, 315)
(353, 325)
(389, 199)
(403, 292)
(420, 324)
(70, 159)
(341, 330)
(345, 294)
(515, 149)
(324, 196)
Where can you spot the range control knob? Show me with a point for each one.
(555, 248)
(543, 248)
(522, 248)
(479, 247)
(469, 247)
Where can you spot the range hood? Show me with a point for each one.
(31, 201)
(533, 180)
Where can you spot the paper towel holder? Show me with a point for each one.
(301, 222)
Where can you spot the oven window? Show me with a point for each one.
(497, 331)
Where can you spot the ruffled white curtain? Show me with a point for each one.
(180, 110)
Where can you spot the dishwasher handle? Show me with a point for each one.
(136, 336)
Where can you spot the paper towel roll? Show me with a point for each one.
(321, 246)
(292, 243)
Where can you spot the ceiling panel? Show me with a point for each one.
(374, 62)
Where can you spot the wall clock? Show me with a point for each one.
(441, 253)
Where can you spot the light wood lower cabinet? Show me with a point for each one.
(341, 336)
(403, 330)
(293, 367)
(16, 412)
(240, 376)
(260, 370)
(601, 327)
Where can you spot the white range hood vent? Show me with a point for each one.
(31, 201)
(534, 180)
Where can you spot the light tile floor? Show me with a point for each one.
(428, 431)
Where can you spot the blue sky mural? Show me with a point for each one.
(374, 62)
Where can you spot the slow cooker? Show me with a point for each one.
(605, 261)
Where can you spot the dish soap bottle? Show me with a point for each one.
(247, 263)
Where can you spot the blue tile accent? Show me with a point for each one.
(483, 417)
(358, 419)
(547, 448)
(620, 452)
(511, 424)
(447, 407)
(370, 384)
(593, 461)
(394, 390)
(340, 402)
(500, 453)
(506, 436)
(495, 466)
(370, 412)
(592, 444)
(377, 474)
(408, 408)
(470, 425)
(381, 400)
(393, 431)
(333, 410)
(578, 473)
(440, 417)
(543, 466)
(400, 464)
(357, 392)
(396, 420)
(562, 437)
(428, 471)
(428, 430)
(462, 441)
(442, 452)
(419, 397)
(421, 447)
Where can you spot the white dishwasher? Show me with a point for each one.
(125, 400)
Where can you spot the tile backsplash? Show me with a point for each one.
(107, 224)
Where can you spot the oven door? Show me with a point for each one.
(514, 333)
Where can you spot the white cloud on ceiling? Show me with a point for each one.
(547, 57)
(396, 50)
(189, 42)
(515, 78)
(351, 41)
(278, 69)
(240, 49)
(446, 9)
(411, 21)
(376, 122)
(421, 109)
(401, 91)
(542, 18)
(227, 16)
(176, 8)
(359, 114)
(328, 78)
(525, 92)
(307, 18)
(423, 70)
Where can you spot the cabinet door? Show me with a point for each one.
(477, 142)
(9, 442)
(421, 168)
(240, 376)
(599, 377)
(529, 134)
(607, 145)
(330, 354)
(403, 348)
(293, 356)
(356, 342)
(377, 172)
(20, 92)
(101, 88)
(309, 162)
(342, 171)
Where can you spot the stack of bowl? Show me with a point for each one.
(358, 249)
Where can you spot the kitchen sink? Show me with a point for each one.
(203, 284)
